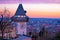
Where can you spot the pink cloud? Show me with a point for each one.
(30, 1)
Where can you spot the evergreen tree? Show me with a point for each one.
(41, 33)
(57, 37)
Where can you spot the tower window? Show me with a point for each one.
(22, 16)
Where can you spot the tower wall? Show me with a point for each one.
(21, 28)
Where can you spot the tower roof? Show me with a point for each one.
(20, 15)
(20, 10)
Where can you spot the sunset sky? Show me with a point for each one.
(34, 8)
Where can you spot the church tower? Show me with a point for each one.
(20, 19)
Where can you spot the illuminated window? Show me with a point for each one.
(18, 15)
(22, 16)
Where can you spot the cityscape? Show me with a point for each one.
(30, 20)
(20, 26)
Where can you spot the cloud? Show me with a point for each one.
(29, 1)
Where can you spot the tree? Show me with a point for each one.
(3, 23)
(57, 37)
(41, 33)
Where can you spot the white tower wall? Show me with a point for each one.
(21, 28)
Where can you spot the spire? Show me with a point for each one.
(20, 10)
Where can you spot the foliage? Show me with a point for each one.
(41, 33)
(57, 37)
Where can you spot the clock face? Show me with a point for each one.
(22, 26)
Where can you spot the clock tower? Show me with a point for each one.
(20, 19)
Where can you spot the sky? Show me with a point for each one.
(34, 8)
(30, 1)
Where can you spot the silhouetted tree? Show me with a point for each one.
(30, 34)
(41, 33)
(34, 37)
(3, 23)
(57, 37)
